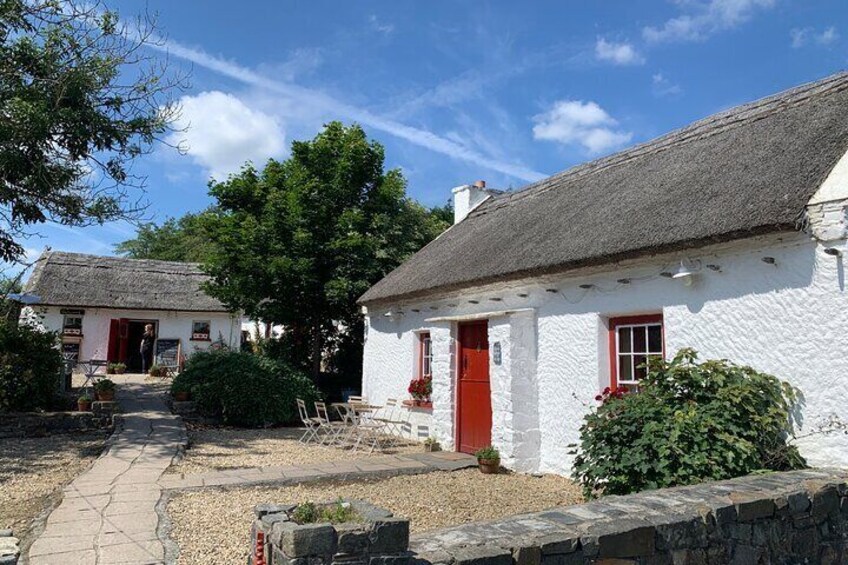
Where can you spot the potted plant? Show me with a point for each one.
(180, 392)
(154, 371)
(104, 389)
(120, 368)
(420, 390)
(489, 460)
(110, 369)
(84, 403)
(431, 444)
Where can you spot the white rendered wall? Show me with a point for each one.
(171, 325)
(789, 319)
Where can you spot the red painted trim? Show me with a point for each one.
(421, 337)
(614, 323)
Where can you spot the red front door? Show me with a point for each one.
(474, 423)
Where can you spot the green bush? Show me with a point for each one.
(30, 367)
(690, 422)
(244, 389)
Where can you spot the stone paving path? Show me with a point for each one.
(108, 514)
(370, 467)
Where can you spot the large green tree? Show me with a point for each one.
(299, 241)
(80, 99)
(184, 239)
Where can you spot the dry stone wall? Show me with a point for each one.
(780, 518)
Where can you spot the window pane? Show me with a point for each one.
(625, 368)
(655, 339)
(639, 342)
(640, 370)
(624, 340)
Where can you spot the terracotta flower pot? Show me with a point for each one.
(106, 395)
(182, 396)
(432, 447)
(489, 466)
(84, 405)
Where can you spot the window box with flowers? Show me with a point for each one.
(420, 389)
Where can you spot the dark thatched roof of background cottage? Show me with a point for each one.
(743, 172)
(91, 281)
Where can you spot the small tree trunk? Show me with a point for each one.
(317, 350)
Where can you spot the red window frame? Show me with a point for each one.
(425, 352)
(615, 323)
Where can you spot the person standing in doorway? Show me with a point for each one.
(146, 350)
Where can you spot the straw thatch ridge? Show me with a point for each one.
(92, 281)
(743, 172)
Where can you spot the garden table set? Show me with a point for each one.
(360, 425)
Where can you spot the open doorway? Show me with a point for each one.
(134, 333)
(125, 341)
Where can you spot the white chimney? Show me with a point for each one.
(466, 198)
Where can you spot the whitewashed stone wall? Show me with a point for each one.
(789, 318)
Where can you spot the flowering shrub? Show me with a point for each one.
(689, 422)
(421, 389)
(612, 393)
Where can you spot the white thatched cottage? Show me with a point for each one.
(100, 305)
(727, 236)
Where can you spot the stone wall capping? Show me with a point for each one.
(793, 517)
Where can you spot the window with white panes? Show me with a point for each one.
(634, 340)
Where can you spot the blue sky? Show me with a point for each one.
(504, 91)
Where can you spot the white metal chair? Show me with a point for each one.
(332, 430)
(393, 418)
(312, 424)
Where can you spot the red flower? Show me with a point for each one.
(599, 398)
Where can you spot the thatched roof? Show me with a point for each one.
(79, 280)
(746, 171)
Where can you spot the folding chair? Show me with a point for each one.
(312, 424)
(391, 416)
(331, 430)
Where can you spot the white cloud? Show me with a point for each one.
(576, 122)
(705, 18)
(222, 133)
(802, 36)
(310, 100)
(662, 86)
(380, 26)
(617, 53)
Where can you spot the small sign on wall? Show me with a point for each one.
(496, 353)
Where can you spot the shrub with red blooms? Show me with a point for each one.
(420, 389)
(611, 393)
(690, 421)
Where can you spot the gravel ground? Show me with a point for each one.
(430, 501)
(216, 449)
(33, 470)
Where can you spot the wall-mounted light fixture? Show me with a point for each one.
(394, 315)
(833, 251)
(685, 272)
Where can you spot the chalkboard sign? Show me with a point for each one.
(167, 352)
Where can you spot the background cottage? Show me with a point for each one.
(100, 305)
